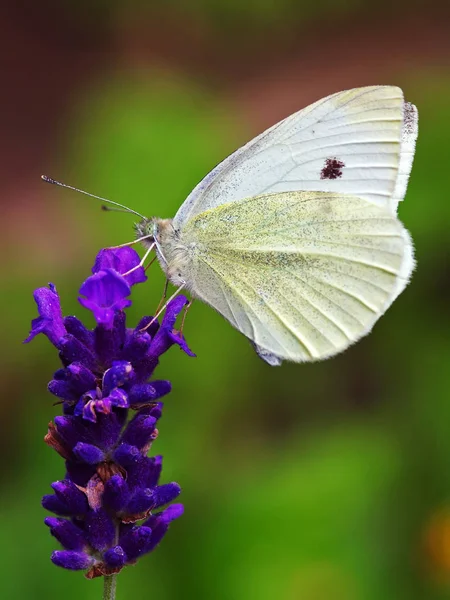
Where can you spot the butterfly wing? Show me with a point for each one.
(358, 142)
(301, 274)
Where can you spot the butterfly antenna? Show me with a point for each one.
(70, 187)
(113, 209)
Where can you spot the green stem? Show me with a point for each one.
(109, 587)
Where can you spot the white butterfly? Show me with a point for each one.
(294, 238)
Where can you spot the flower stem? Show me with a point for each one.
(109, 587)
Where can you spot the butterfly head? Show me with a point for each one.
(147, 232)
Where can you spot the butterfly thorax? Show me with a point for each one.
(173, 255)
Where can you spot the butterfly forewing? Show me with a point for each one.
(358, 142)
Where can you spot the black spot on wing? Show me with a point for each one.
(332, 169)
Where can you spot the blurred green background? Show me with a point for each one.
(324, 481)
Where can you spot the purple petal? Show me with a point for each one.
(178, 338)
(156, 411)
(116, 494)
(141, 501)
(115, 557)
(76, 380)
(173, 310)
(127, 455)
(166, 336)
(119, 398)
(50, 320)
(81, 378)
(171, 513)
(166, 516)
(100, 529)
(72, 350)
(53, 504)
(151, 329)
(67, 534)
(63, 390)
(90, 405)
(145, 367)
(139, 431)
(71, 430)
(108, 342)
(136, 346)
(163, 494)
(70, 495)
(75, 327)
(153, 472)
(75, 561)
(121, 260)
(88, 453)
(85, 407)
(139, 468)
(87, 411)
(106, 293)
(157, 535)
(60, 375)
(136, 541)
(120, 373)
(144, 393)
(106, 431)
(102, 405)
(139, 473)
(80, 473)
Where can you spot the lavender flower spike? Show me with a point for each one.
(110, 505)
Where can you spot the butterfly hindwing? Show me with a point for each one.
(302, 274)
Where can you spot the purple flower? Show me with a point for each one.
(110, 366)
(166, 336)
(106, 293)
(50, 321)
(110, 483)
(121, 260)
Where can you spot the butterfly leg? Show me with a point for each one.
(163, 308)
(136, 241)
(186, 308)
(141, 264)
(163, 297)
(150, 263)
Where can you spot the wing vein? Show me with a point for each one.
(311, 351)
(297, 276)
(349, 294)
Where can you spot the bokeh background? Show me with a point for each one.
(323, 481)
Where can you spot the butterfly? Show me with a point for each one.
(294, 238)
